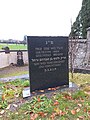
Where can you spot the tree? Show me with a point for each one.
(79, 27)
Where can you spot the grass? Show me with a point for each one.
(80, 78)
(14, 46)
(11, 91)
(59, 107)
(64, 105)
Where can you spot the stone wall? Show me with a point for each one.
(7, 59)
(88, 47)
(79, 52)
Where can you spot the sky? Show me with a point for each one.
(37, 17)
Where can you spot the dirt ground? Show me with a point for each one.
(13, 69)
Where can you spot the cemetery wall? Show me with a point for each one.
(7, 59)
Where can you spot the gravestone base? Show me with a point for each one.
(72, 87)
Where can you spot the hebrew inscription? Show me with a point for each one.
(48, 61)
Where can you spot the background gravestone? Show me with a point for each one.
(48, 62)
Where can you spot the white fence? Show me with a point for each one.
(7, 59)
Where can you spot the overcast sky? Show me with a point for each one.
(37, 17)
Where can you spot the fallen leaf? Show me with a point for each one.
(80, 117)
(56, 103)
(3, 97)
(38, 106)
(33, 92)
(33, 106)
(82, 100)
(41, 90)
(49, 88)
(53, 88)
(85, 109)
(26, 112)
(62, 113)
(57, 110)
(68, 97)
(16, 95)
(57, 87)
(88, 93)
(39, 100)
(43, 95)
(80, 105)
(54, 93)
(53, 115)
(15, 105)
(8, 107)
(16, 113)
(2, 112)
(73, 112)
(33, 116)
(78, 109)
(42, 114)
(45, 114)
(88, 111)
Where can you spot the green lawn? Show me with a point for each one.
(80, 78)
(66, 105)
(14, 46)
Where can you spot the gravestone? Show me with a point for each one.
(48, 62)
(20, 58)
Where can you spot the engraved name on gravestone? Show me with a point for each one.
(48, 62)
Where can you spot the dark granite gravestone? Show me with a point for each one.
(48, 62)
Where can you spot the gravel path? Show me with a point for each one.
(12, 69)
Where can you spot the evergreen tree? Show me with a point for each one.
(79, 27)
